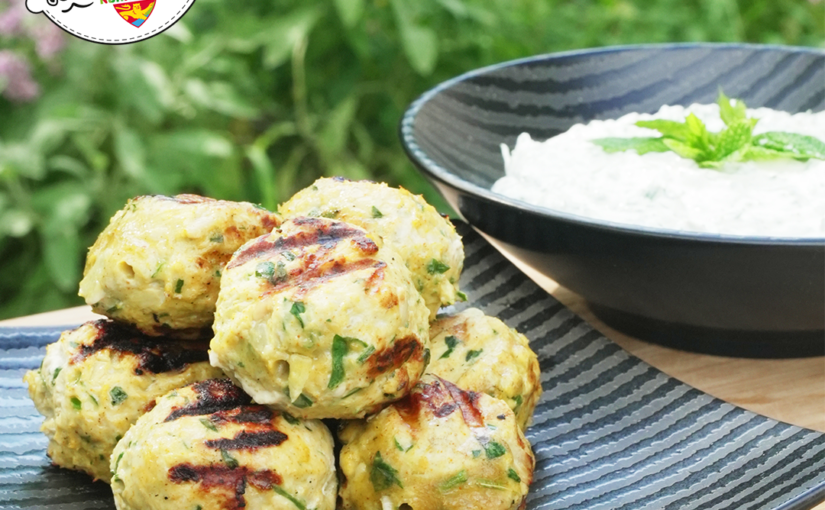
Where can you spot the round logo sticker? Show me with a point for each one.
(112, 21)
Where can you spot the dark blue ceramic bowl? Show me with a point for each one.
(748, 296)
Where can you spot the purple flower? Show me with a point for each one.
(49, 39)
(11, 17)
(15, 20)
(16, 80)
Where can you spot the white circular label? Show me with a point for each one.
(112, 21)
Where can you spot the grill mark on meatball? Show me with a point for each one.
(224, 477)
(468, 403)
(394, 356)
(246, 414)
(244, 440)
(375, 280)
(325, 233)
(270, 221)
(214, 395)
(445, 410)
(188, 198)
(455, 325)
(316, 275)
(259, 431)
(433, 396)
(390, 300)
(442, 398)
(154, 354)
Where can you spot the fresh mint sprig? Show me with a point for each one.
(692, 140)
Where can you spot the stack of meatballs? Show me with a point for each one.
(236, 336)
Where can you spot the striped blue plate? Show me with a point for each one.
(610, 432)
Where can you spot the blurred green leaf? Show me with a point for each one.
(69, 165)
(60, 239)
(349, 11)
(420, 43)
(158, 81)
(210, 107)
(350, 169)
(220, 97)
(48, 135)
(88, 148)
(333, 136)
(280, 37)
(180, 32)
(20, 159)
(130, 152)
(264, 175)
(456, 7)
(16, 223)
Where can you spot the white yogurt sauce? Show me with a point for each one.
(569, 173)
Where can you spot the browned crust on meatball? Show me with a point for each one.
(153, 354)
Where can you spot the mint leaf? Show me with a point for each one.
(339, 350)
(454, 481)
(494, 450)
(297, 309)
(692, 140)
(382, 475)
(265, 269)
(366, 354)
(518, 399)
(471, 355)
(734, 141)
(792, 144)
(640, 145)
(698, 137)
(759, 153)
(208, 424)
(731, 114)
(230, 461)
(512, 475)
(436, 266)
(668, 128)
(451, 342)
(302, 401)
(682, 149)
(289, 418)
(295, 501)
(118, 395)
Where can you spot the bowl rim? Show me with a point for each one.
(406, 131)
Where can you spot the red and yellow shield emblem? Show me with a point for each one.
(136, 13)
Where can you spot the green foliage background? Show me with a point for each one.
(253, 100)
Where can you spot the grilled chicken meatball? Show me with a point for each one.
(158, 264)
(319, 319)
(480, 353)
(440, 448)
(208, 447)
(97, 380)
(427, 242)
